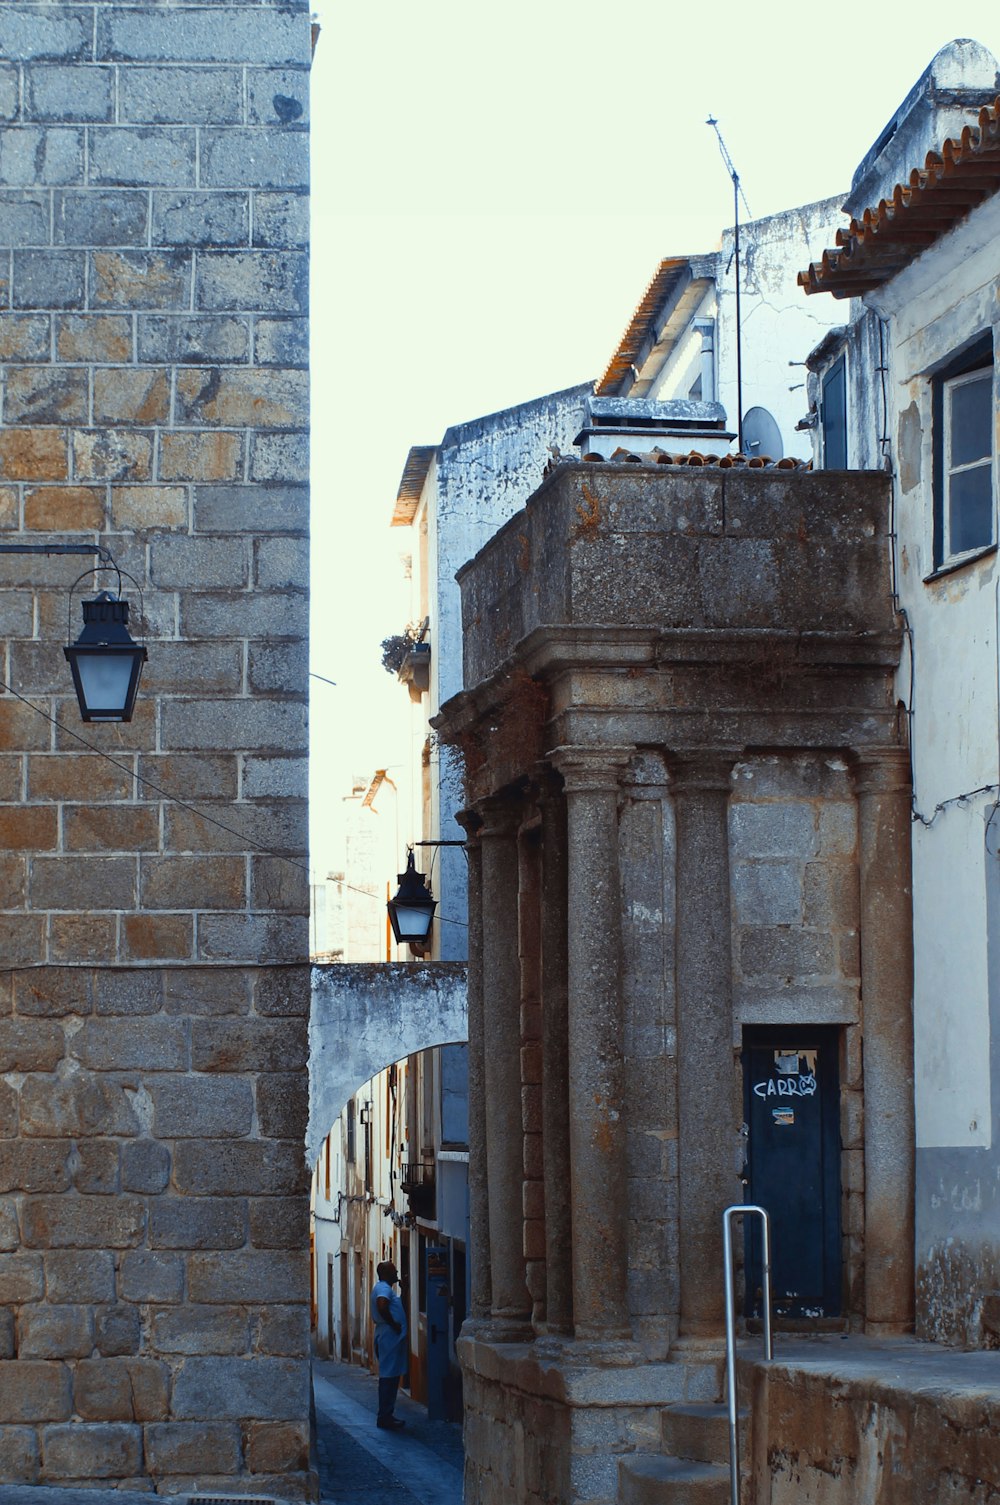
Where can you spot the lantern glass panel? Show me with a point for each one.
(413, 922)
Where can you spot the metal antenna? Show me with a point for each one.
(737, 195)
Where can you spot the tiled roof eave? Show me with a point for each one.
(885, 239)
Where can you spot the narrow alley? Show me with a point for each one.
(359, 1465)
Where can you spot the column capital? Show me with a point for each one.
(647, 777)
(499, 815)
(597, 769)
(699, 770)
(471, 821)
(881, 770)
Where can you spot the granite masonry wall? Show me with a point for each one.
(153, 890)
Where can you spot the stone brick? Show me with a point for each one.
(193, 1448)
(138, 1045)
(249, 1276)
(118, 1331)
(198, 1223)
(8, 1128)
(33, 455)
(275, 778)
(49, 155)
(95, 1164)
(82, 1222)
(22, 1279)
(10, 765)
(125, 1389)
(133, 155)
(22, 939)
(277, 96)
(211, 882)
(258, 1167)
(201, 1330)
(9, 92)
(206, 991)
(19, 729)
(33, 35)
(276, 884)
(160, 937)
(279, 457)
(19, 1455)
(252, 398)
(258, 157)
(258, 1388)
(282, 1105)
(279, 1223)
(24, 220)
(193, 1107)
(281, 342)
(200, 776)
(838, 829)
(82, 1450)
(112, 455)
(248, 1045)
(65, 509)
(33, 1391)
(216, 456)
(147, 1275)
(155, 35)
(76, 95)
(114, 828)
(181, 96)
(264, 280)
(76, 1104)
(89, 217)
(148, 508)
(79, 776)
(281, 563)
(139, 395)
(261, 615)
(274, 725)
(141, 279)
(28, 828)
(30, 1045)
(264, 939)
(13, 881)
(55, 1332)
(23, 337)
(94, 337)
(275, 1447)
(199, 563)
(128, 993)
(48, 279)
(251, 509)
(796, 953)
(767, 893)
(201, 219)
(145, 1166)
(83, 882)
(71, 1276)
(281, 219)
(283, 992)
(193, 339)
(772, 830)
(79, 938)
(280, 1330)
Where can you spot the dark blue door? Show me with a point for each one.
(792, 1109)
(438, 1313)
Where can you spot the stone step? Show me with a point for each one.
(649, 1479)
(700, 1432)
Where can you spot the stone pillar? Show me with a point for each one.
(882, 782)
(529, 948)
(501, 1002)
(555, 1063)
(596, 1107)
(700, 783)
(479, 1224)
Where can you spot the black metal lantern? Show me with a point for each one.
(106, 661)
(411, 912)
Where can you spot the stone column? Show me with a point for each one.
(882, 782)
(700, 783)
(598, 1164)
(555, 1063)
(479, 1224)
(501, 973)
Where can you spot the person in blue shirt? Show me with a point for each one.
(391, 1349)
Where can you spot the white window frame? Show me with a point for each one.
(950, 556)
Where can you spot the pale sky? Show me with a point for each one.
(493, 187)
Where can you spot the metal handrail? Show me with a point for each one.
(739, 1210)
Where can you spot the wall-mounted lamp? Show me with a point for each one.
(365, 1113)
(411, 912)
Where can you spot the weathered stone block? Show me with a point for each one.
(279, 457)
(28, 828)
(249, 1275)
(277, 96)
(264, 280)
(23, 337)
(48, 279)
(265, 939)
(248, 1045)
(275, 884)
(75, 95)
(279, 1223)
(140, 395)
(251, 398)
(216, 456)
(157, 937)
(180, 96)
(201, 1330)
(145, 1166)
(257, 1167)
(196, 339)
(281, 563)
(259, 724)
(55, 1332)
(34, 1390)
(33, 35)
(110, 828)
(19, 1455)
(82, 1223)
(71, 1276)
(158, 157)
(87, 217)
(794, 953)
(261, 615)
(22, 1278)
(22, 939)
(258, 158)
(127, 992)
(23, 222)
(154, 35)
(275, 778)
(199, 563)
(30, 1045)
(206, 991)
(141, 279)
(198, 1223)
(118, 1331)
(172, 882)
(95, 1165)
(31, 155)
(9, 92)
(94, 337)
(196, 1107)
(776, 829)
(281, 1330)
(282, 1106)
(201, 219)
(81, 938)
(258, 1388)
(147, 1275)
(145, 508)
(281, 219)
(65, 509)
(283, 992)
(281, 342)
(74, 882)
(251, 509)
(193, 1448)
(767, 893)
(121, 1389)
(77, 1104)
(277, 1447)
(111, 1450)
(124, 1045)
(112, 455)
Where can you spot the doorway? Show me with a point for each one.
(791, 1087)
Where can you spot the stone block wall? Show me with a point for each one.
(153, 880)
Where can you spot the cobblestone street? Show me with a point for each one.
(360, 1465)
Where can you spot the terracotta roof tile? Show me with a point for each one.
(411, 484)
(951, 182)
(642, 324)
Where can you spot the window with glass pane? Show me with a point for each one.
(969, 462)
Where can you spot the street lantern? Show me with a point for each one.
(106, 661)
(411, 912)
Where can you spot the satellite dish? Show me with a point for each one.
(761, 435)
